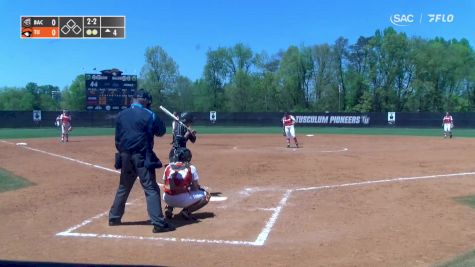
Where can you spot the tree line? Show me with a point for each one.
(384, 72)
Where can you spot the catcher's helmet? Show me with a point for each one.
(186, 117)
(183, 154)
(142, 94)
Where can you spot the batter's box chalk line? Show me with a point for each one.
(259, 241)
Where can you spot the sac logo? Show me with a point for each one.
(402, 19)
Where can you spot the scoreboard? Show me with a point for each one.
(84, 27)
(109, 92)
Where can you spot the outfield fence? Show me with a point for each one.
(31, 119)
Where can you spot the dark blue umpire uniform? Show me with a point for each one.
(135, 129)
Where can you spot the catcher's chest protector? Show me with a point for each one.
(178, 179)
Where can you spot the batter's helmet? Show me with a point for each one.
(141, 93)
(186, 117)
(183, 154)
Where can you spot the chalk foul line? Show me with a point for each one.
(264, 234)
(71, 159)
(391, 180)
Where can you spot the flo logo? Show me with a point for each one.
(441, 18)
(402, 19)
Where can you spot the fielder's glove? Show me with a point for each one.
(283, 132)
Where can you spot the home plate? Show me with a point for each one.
(214, 198)
(21, 144)
(310, 135)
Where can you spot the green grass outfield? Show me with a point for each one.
(8, 133)
(9, 181)
(467, 259)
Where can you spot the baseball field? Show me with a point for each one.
(347, 197)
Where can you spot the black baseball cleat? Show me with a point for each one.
(166, 227)
(187, 215)
(114, 222)
(168, 212)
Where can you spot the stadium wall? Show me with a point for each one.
(25, 119)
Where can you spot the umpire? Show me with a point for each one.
(134, 132)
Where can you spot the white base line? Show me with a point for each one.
(334, 151)
(71, 159)
(262, 237)
(64, 157)
(392, 180)
(260, 241)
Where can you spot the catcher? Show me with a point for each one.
(182, 188)
(64, 120)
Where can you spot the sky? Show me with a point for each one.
(187, 29)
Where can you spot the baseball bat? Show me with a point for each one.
(166, 111)
(169, 113)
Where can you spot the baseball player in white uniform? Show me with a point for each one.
(288, 122)
(181, 186)
(64, 121)
(448, 123)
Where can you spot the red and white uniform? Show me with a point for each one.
(178, 178)
(288, 123)
(448, 123)
(65, 121)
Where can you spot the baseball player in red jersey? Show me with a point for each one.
(181, 186)
(448, 123)
(288, 122)
(65, 121)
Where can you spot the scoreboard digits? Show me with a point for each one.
(109, 92)
(84, 27)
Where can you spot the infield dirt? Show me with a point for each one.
(406, 223)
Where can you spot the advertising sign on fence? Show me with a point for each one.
(335, 120)
(36, 115)
(391, 117)
(212, 116)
